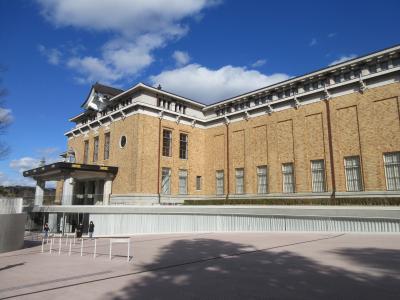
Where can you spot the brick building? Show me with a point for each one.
(334, 132)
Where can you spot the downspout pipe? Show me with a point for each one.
(330, 143)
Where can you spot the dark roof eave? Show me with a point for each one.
(66, 166)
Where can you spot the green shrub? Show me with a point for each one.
(337, 201)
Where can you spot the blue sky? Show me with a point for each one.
(206, 50)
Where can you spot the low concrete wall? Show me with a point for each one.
(12, 228)
(115, 220)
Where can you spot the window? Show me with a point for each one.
(318, 176)
(86, 152)
(392, 170)
(262, 187)
(198, 183)
(183, 182)
(95, 149)
(122, 141)
(107, 145)
(166, 181)
(353, 173)
(219, 182)
(183, 146)
(167, 136)
(239, 174)
(288, 178)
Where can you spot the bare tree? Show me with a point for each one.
(5, 117)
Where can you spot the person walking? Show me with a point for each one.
(46, 231)
(91, 229)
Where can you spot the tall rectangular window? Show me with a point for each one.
(288, 178)
(183, 146)
(167, 140)
(86, 152)
(198, 183)
(219, 182)
(318, 176)
(353, 173)
(95, 149)
(239, 174)
(262, 186)
(107, 145)
(183, 175)
(166, 181)
(392, 170)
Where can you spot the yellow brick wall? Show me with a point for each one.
(362, 124)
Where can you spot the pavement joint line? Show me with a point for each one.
(52, 281)
(223, 256)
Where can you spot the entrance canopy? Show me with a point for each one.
(62, 170)
(83, 184)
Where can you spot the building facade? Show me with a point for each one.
(334, 132)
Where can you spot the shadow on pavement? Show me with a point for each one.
(224, 270)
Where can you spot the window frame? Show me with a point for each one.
(183, 144)
(165, 141)
(396, 179)
(199, 182)
(293, 179)
(96, 143)
(238, 178)
(313, 171)
(259, 173)
(360, 174)
(180, 176)
(219, 179)
(167, 175)
(86, 151)
(107, 144)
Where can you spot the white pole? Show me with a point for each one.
(51, 244)
(110, 248)
(42, 244)
(95, 248)
(70, 246)
(81, 246)
(129, 248)
(59, 246)
(66, 241)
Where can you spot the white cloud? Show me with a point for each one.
(343, 59)
(332, 34)
(48, 151)
(313, 42)
(207, 85)
(6, 116)
(52, 55)
(137, 29)
(181, 57)
(24, 163)
(259, 63)
(6, 180)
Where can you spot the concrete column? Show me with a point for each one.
(97, 192)
(107, 191)
(39, 192)
(85, 192)
(68, 191)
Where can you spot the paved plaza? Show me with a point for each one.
(209, 266)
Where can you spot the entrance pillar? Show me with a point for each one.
(39, 192)
(68, 191)
(107, 190)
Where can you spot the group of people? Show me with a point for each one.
(78, 230)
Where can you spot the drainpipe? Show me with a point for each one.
(159, 160)
(332, 163)
(227, 159)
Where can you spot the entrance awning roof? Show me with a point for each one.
(62, 170)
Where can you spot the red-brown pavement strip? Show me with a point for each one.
(171, 266)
